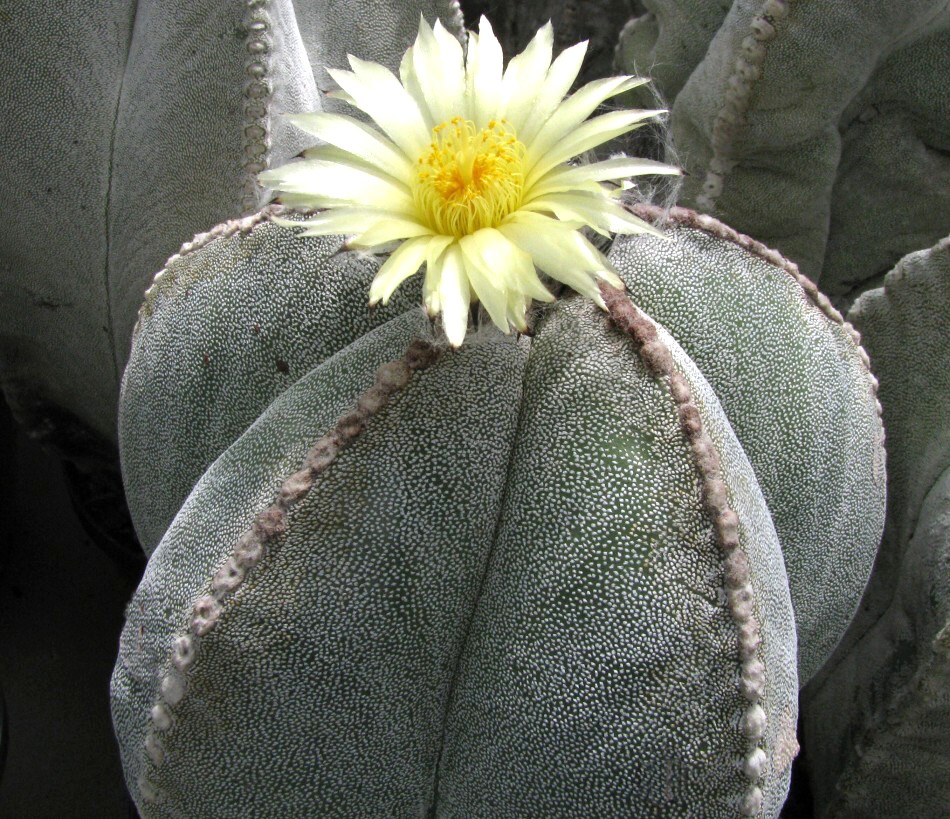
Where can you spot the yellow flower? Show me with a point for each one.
(468, 169)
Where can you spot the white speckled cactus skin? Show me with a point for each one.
(819, 128)
(795, 386)
(542, 577)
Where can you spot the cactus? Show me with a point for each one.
(499, 579)
(820, 129)
(876, 718)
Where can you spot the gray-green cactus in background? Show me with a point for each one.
(819, 128)
(508, 580)
(877, 717)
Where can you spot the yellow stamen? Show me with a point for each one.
(476, 178)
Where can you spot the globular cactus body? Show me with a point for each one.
(533, 575)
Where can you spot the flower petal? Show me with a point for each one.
(410, 81)
(557, 82)
(454, 294)
(339, 221)
(574, 110)
(570, 177)
(356, 138)
(388, 229)
(490, 291)
(483, 74)
(438, 66)
(506, 264)
(403, 263)
(320, 183)
(524, 75)
(586, 136)
(562, 253)
(597, 210)
(375, 90)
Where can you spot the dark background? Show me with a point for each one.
(62, 603)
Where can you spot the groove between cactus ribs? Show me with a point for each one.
(730, 118)
(265, 532)
(658, 360)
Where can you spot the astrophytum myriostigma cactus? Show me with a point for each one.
(820, 128)
(535, 575)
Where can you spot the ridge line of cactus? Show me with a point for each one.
(747, 69)
(710, 224)
(250, 546)
(243, 225)
(658, 360)
(257, 95)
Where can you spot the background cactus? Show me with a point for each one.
(819, 129)
(493, 602)
(171, 104)
(877, 717)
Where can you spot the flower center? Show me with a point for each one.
(469, 179)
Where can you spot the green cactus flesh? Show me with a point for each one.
(515, 591)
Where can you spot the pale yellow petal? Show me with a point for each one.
(489, 290)
(438, 245)
(388, 229)
(524, 76)
(586, 136)
(569, 177)
(517, 310)
(430, 288)
(574, 110)
(454, 295)
(375, 90)
(597, 210)
(403, 263)
(483, 74)
(505, 264)
(557, 82)
(338, 156)
(438, 65)
(562, 253)
(356, 138)
(340, 221)
(324, 184)
(410, 81)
